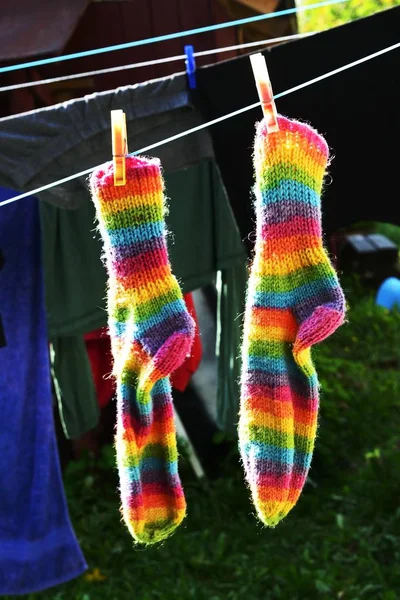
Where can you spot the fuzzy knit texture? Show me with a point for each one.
(151, 335)
(294, 300)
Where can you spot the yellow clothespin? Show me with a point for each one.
(119, 145)
(264, 89)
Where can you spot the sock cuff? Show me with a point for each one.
(131, 221)
(142, 194)
(138, 170)
(297, 131)
(296, 153)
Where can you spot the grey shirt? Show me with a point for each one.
(42, 146)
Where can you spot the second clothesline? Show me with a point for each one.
(230, 115)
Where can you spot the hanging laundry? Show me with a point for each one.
(151, 334)
(203, 240)
(204, 237)
(74, 385)
(98, 347)
(294, 301)
(343, 107)
(231, 287)
(75, 283)
(41, 146)
(75, 278)
(180, 378)
(38, 548)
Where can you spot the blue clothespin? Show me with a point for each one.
(190, 67)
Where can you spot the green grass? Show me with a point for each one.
(340, 14)
(341, 541)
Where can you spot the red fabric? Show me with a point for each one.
(181, 377)
(98, 347)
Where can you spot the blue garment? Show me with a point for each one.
(38, 547)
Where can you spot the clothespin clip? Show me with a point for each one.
(119, 145)
(264, 89)
(190, 66)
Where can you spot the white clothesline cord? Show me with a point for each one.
(170, 36)
(147, 63)
(209, 123)
(151, 63)
(283, 38)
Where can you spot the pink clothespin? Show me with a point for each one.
(264, 89)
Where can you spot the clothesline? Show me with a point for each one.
(209, 123)
(151, 63)
(169, 36)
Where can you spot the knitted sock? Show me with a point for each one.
(294, 300)
(151, 334)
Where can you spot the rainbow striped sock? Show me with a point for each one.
(151, 334)
(294, 300)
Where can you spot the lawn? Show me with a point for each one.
(340, 13)
(341, 541)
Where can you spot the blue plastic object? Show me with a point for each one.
(190, 66)
(388, 294)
